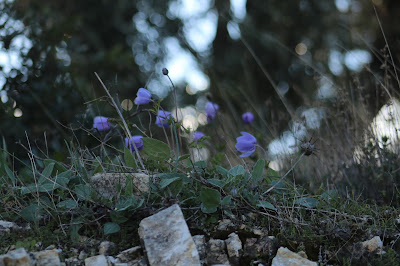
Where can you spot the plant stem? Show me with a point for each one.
(294, 165)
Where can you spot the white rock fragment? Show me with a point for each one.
(129, 254)
(99, 260)
(200, 242)
(216, 252)
(373, 245)
(224, 225)
(167, 239)
(233, 245)
(288, 258)
(6, 227)
(106, 248)
(47, 258)
(105, 183)
(16, 257)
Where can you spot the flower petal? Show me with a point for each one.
(244, 146)
(247, 154)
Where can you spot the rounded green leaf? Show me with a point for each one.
(111, 228)
(266, 204)
(155, 149)
(307, 202)
(258, 169)
(210, 198)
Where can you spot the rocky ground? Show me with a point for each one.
(166, 240)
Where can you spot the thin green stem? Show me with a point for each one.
(294, 165)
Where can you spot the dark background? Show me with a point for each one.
(55, 92)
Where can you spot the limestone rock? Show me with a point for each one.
(167, 239)
(106, 248)
(47, 258)
(99, 260)
(6, 227)
(200, 242)
(216, 252)
(105, 183)
(264, 246)
(288, 258)
(129, 254)
(234, 248)
(16, 257)
(373, 245)
(224, 225)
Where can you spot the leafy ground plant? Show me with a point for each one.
(59, 197)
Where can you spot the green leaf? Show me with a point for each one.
(169, 175)
(307, 202)
(222, 171)
(216, 182)
(128, 186)
(111, 228)
(67, 175)
(74, 232)
(210, 198)
(58, 166)
(258, 169)
(83, 191)
(125, 203)
(46, 186)
(266, 204)
(129, 159)
(201, 164)
(118, 217)
(227, 200)
(155, 149)
(166, 181)
(10, 174)
(68, 204)
(183, 157)
(330, 194)
(176, 187)
(272, 173)
(48, 170)
(31, 213)
(207, 210)
(237, 170)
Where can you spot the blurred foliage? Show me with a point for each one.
(123, 42)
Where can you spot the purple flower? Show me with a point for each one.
(246, 144)
(248, 117)
(135, 141)
(197, 135)
(143, 96)
(101, 123)
(162, 118)
(211, 110)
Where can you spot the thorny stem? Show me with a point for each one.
(294, 165)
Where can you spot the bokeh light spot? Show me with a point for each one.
(17, 112)
(127, 104)
(301, 48)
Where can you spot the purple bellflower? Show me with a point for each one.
(246, 144)
(162, 118)
(143, 96)
(135, 141)
(211, 110)
(197, 135)
(101, 123)
(248, 117)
